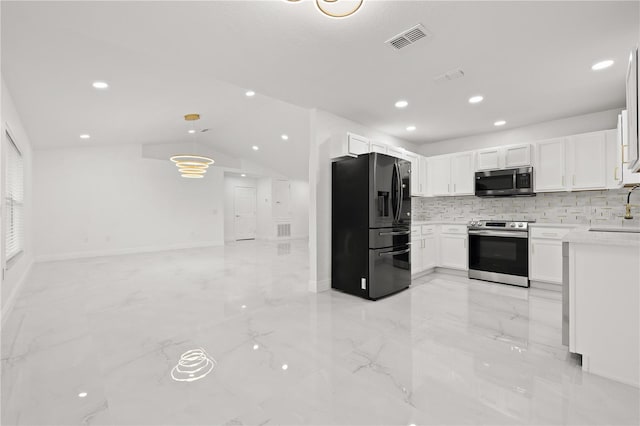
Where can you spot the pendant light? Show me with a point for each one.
(192, 166)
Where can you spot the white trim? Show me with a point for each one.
(319, 286)
(117, 252)
(11, 300)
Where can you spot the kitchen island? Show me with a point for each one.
(604, 302)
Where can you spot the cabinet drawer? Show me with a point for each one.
(428, 229)
(415, 232)
(549, 233)
(454, 229)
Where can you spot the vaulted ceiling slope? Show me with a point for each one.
(531, 61)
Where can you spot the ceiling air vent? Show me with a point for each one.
(449, 75)
(408, 37)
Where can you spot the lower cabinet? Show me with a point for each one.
(453, 251)
(545, 254)
(438, 246)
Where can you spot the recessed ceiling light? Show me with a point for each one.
(255, 147)
(402, 104)
(100, 85)
(411, 128)
(250, 93)
(602, 65)
(500, 123)
(85, 136)
(243, 175)
(285, 366)
(256, 347)
(192, 131)
(285, 137)
(476, 99)
(82, 394)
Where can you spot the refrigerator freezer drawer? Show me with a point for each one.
(389, 270)
(389, 237)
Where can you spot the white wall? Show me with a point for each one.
(299, 209)
(230, 184)
(603, 120)
(324, 126)
(109, 200)
(264, 208)
(17, 270)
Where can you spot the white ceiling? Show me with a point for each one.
(531, 60)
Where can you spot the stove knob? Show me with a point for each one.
(513, 225)
(521, 225)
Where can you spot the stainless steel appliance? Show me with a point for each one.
(500, 183)
(499, 251)
(371, 225)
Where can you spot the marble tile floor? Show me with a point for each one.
(94, 341)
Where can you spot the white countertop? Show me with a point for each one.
(603, 238)
(438, 222)
(557, 225)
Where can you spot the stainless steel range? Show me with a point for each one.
(499, 251)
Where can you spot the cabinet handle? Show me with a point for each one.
(623, 147)
(573, 181)
(533, 248)
(562, 180)
(448, 187)
(615, 173)
(454, 187)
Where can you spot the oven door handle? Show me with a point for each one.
(510, 234)
(393, 253)
(394, 233)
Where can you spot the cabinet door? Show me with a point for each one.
(587, 158)
(440, 175)
(396, 152)
(453, 251)
(627, 176)
(549, 174)
(614, 157)
(462, 174)
(415, 173)
(488, 159)
(377, 147)
(416, 255)
(517, 156)
(429, 251)
(357, 144)
(545, 260)
(423, 177)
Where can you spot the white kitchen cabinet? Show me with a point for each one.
(550, 165)
(348, 145)
(614, 157)
(545, 254)
(397, 152)
(587, 163)
(416, 188)
(416, 250)
(429, 250)
(440, 175)
(423, 177)
(628, 177)
(504, 157)
(452, 245)
(375, 146)
(488, 159)
(462, 174)
(517, 156)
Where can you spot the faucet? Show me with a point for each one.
(627, 214)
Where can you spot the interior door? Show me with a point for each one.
(281, 198)
(245, 213)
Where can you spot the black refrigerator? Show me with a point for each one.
(371, 225)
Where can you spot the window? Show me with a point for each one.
(14, 202)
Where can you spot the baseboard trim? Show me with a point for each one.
(11, 300)
(423, 273)
(319, 286)
(545, 286)
(450, 271)
(119, 252)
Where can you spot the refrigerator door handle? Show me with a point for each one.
(393, 253)
(397, 167)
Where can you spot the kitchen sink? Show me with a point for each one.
(626, 230)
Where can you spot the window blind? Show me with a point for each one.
(14, 201)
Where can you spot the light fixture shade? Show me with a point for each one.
(192, 166)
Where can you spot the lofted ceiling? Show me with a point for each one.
(530, 60)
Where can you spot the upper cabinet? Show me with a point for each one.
(587, 166)
(504, 157)
(549, 173)
(628, 177)
(451, 174)
(348, 145)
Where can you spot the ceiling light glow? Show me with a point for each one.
(101, 85)
(255, 148)
(411, 128)
(85, 136)
(402, 104)
(250, 93)
(602, 65)
(192, 176)
(500, 123)
(476, 99)
(192, 131)
(243, 175)
(82, 394)
(285, 137)
(285, 366)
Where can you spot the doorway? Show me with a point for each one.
(244, 206)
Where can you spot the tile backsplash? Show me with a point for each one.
(584, 207)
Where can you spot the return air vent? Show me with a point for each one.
(449, 75)
(284, 230)
(408, 37)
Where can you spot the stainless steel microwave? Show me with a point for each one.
(500, 183)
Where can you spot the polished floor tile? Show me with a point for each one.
(95, 341)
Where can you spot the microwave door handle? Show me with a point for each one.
(515, 175)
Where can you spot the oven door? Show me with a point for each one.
(501, 256)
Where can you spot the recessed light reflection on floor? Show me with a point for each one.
(193, 365)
